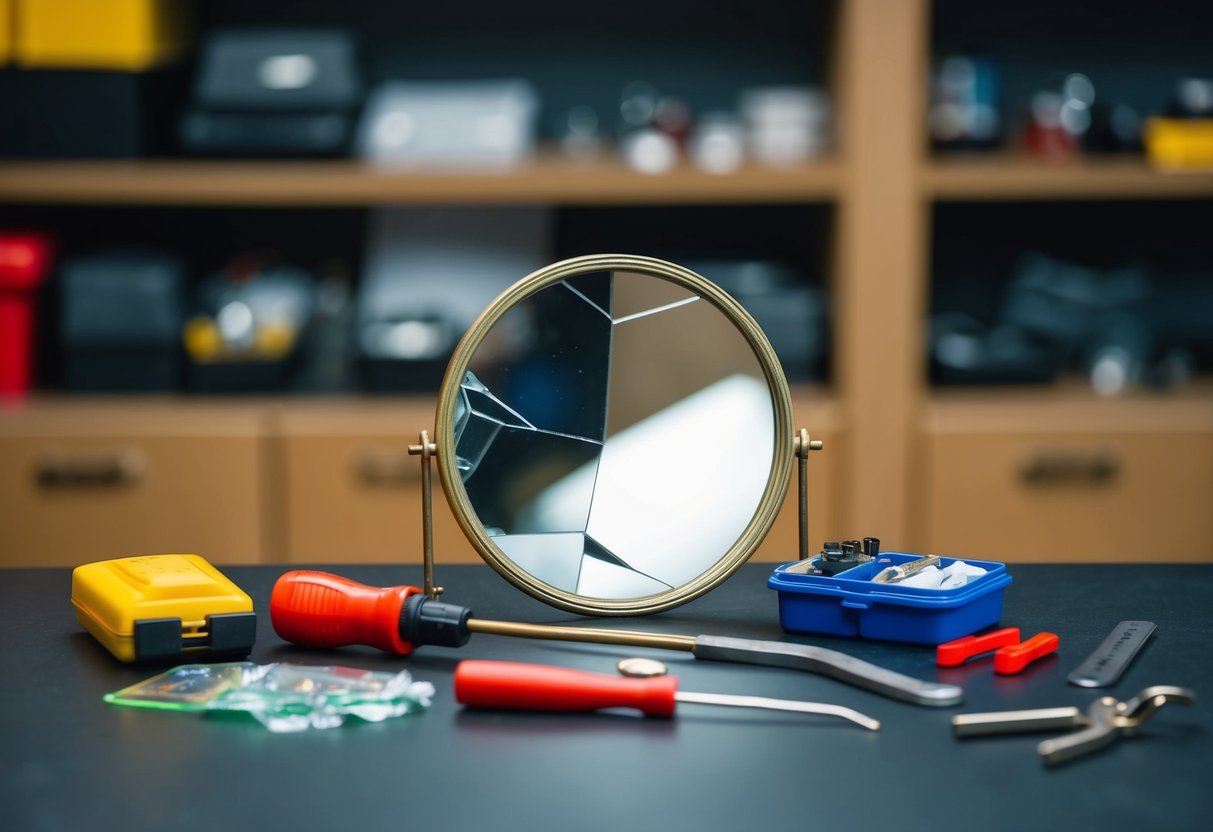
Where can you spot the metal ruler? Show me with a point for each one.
(1104, 666)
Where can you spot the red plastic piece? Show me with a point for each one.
(1016, 657)
(539, 687)
(24, 262)
(955, 652)
(318, 609)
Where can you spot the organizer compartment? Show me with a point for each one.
(850, 604)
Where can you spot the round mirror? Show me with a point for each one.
(614, 435)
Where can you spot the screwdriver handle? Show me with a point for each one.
(318, 609)
(538, 687)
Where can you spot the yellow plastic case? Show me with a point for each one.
(6, 31)
(115, 35)
(1179, 144)
(164, 607)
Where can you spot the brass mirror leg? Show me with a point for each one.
(802, 445)
(426, 450)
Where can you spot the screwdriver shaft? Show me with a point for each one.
(777, 705)
(590, 634)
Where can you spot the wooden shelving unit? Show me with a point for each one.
(1008, 177)
(547, 179)
(904, 461)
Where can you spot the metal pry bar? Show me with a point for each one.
(1103, 722)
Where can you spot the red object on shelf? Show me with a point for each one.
(24, 263)
(1016, 657)
(955, 652)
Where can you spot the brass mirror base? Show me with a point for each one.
(769, 504)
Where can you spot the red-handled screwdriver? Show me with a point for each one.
(318, 609)
(539, 687)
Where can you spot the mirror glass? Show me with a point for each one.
(614, 435)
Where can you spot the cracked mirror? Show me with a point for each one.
(613, 433)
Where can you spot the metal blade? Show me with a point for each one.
(778, 705)
(830, 663)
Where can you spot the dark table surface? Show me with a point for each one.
(72, 762)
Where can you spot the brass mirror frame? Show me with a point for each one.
(781, 462)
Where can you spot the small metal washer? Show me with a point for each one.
(640, 668)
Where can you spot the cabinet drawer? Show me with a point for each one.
(353, 493)
(81, 487)
(1054, 496)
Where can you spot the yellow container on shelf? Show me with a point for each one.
(6, 31)
(121, 35)
(163, 608)
(1179, 144)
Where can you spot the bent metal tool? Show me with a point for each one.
(318, 609)
(1104, 721)
(539, 687)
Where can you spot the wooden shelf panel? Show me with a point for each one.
(1008, 177)
(177, 414)
(545, 180)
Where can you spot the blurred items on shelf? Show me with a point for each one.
(966, 104)
(791, 310)
(773, 126)
(1182, 138)
(473, 124)
(429, 272)
(90, 77)
(24, 262)
(786, 125)
(251, 319)
(966, 351)
(1120, 328)
(578, 134)
(717, 143)
(111, 35)
(651, 128)
(1073, 117)
(274, 92)
(1068, 118)
(121, 313)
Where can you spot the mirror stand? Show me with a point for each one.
(802, 444)
(426, 450)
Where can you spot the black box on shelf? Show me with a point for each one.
(274, 93)
(121, 317)
(74, 114)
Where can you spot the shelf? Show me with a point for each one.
(174, 414)
(1007, 177)
(547, 179)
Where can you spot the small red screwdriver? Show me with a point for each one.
(540, 687)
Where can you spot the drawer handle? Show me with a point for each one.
(90, 469)
(386, 469)
(1071, 468)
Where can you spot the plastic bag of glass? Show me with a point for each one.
(283, 697)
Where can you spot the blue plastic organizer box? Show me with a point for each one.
(850, 604)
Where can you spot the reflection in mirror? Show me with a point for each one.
(614, 433)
